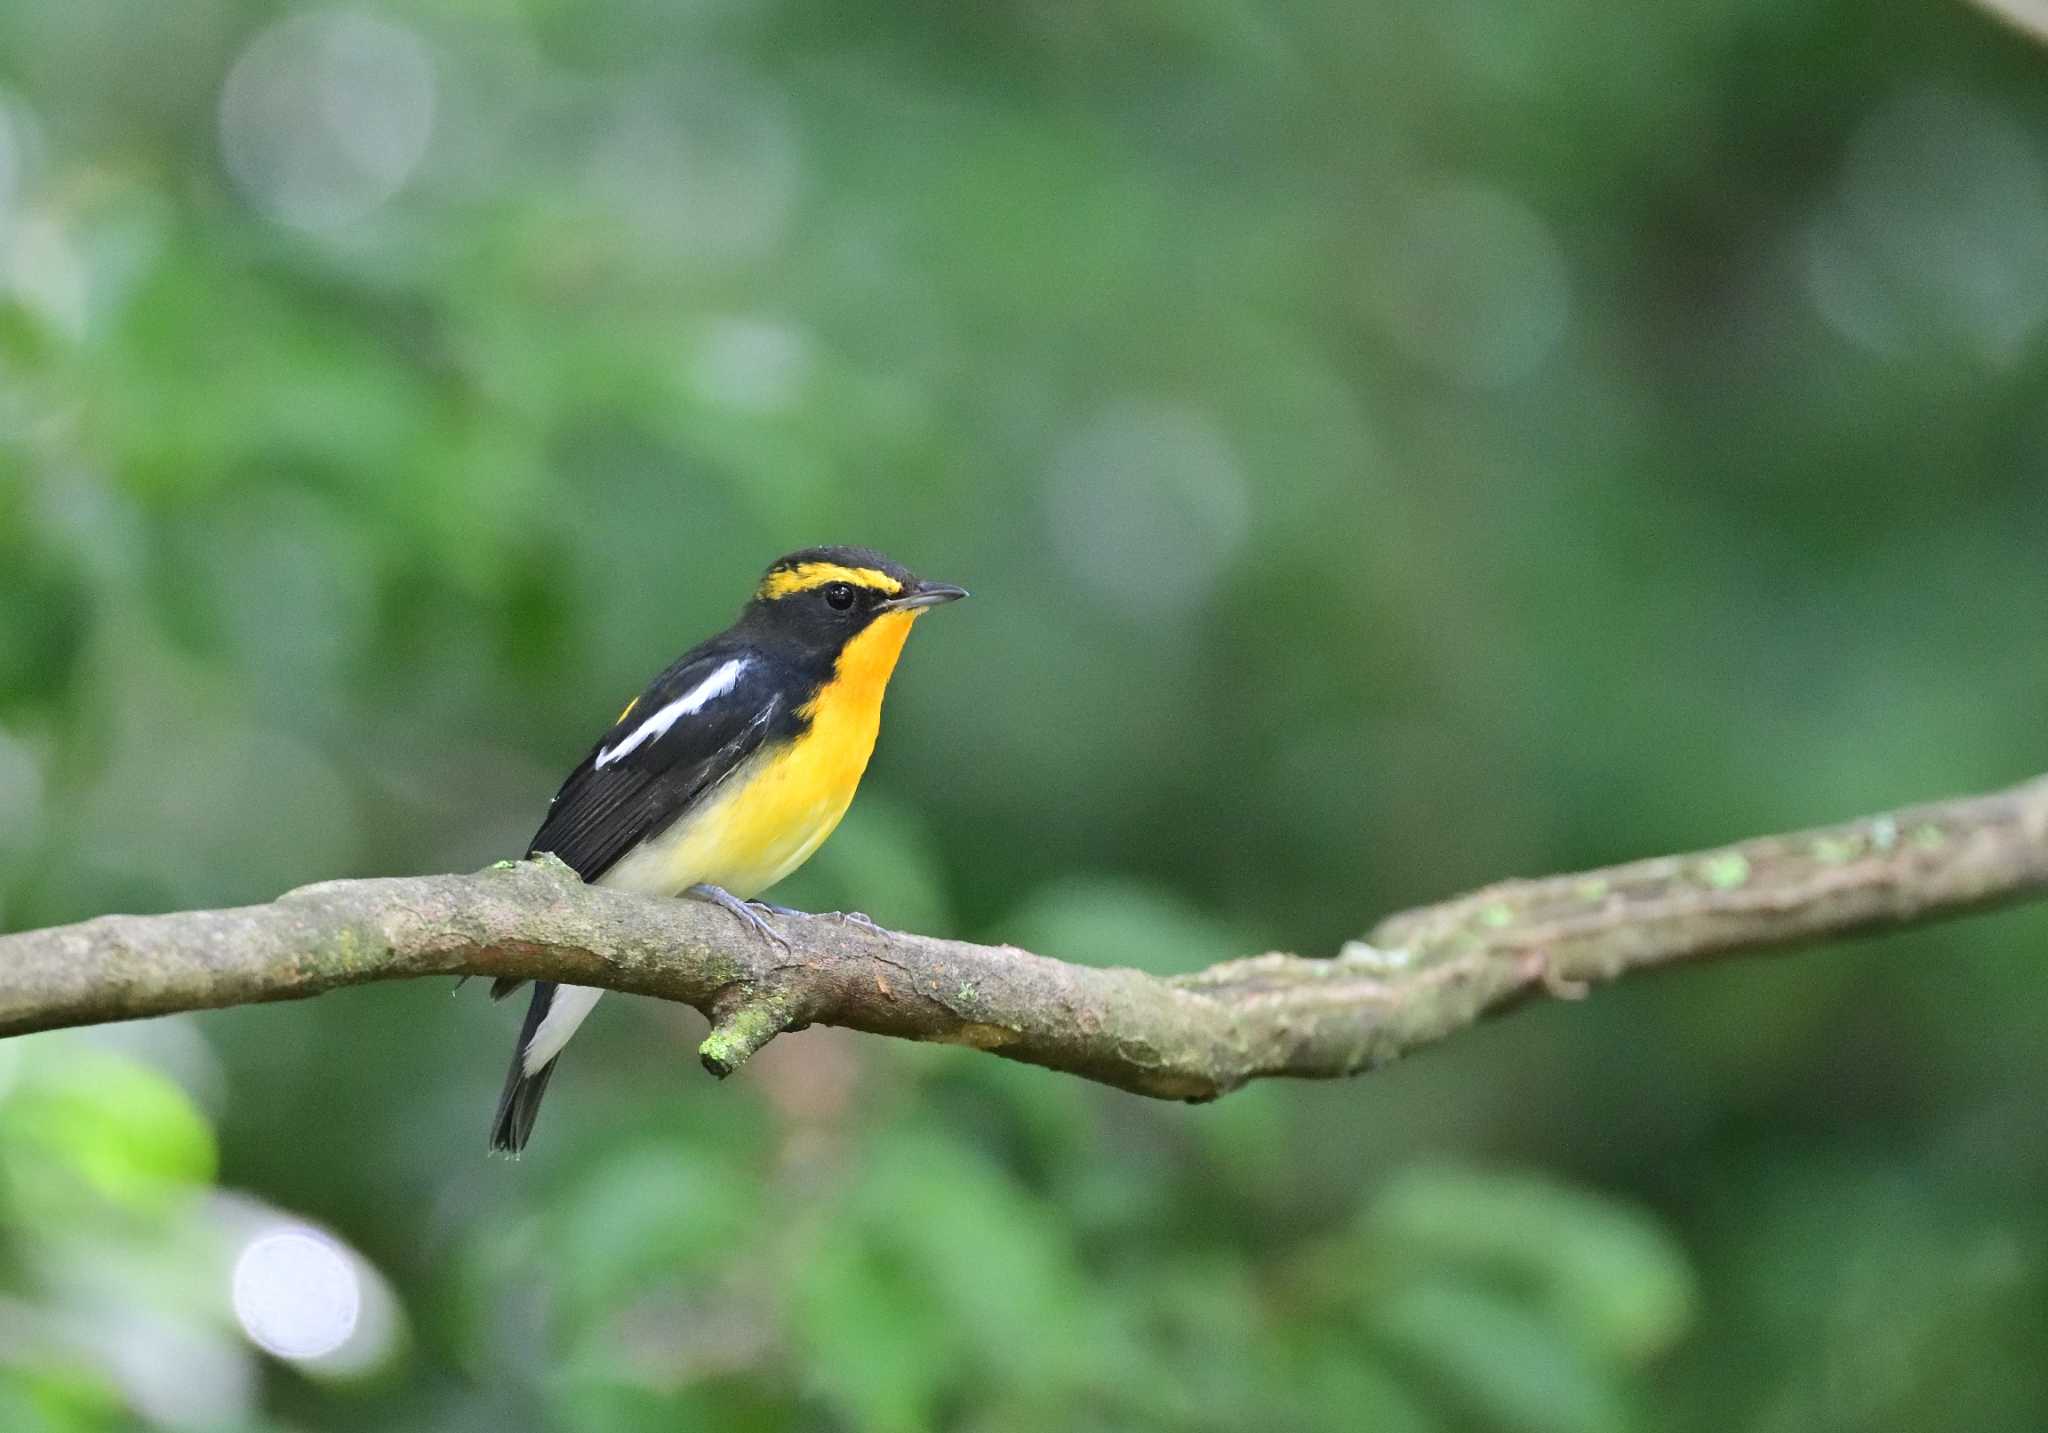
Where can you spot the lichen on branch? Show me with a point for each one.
(1419, 977)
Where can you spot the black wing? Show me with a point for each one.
(699, 719)
(655, 763)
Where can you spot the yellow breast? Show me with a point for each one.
(766, 819)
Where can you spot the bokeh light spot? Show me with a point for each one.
(326, 115)
(11, 161)
(1473, 285)
(1148, 504)
(46, 273)
(704, 171)
(1937, 233)
(296, 1294)
(754, 364)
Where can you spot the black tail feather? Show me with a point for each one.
(519, 1105)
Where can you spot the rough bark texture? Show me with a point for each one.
(1418, 977)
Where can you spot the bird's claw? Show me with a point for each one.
(742, 910)
(752, 912)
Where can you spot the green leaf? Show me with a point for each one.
(1492, 1357)
(1335, 1386)
(55, 1398)
(115, 1127)
(922, 1285)
(1606, 1270)
(26, 344)
(646, 1218)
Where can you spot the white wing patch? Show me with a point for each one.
(656, 727)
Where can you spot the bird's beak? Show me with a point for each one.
(925, 594)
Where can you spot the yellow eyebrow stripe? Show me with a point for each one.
(628, 711)
(785, 580)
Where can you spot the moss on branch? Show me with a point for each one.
(1419, 977)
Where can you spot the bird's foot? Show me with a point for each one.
(741, 910)
(857, 919)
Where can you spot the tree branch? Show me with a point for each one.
(1420, 976)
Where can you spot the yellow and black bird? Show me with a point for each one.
(729, 770)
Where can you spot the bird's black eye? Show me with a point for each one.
(840, 595)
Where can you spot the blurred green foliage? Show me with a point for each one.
(1393, 446)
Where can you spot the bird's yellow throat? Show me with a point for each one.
(862, 674)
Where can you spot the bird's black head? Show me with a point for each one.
(821, 598)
